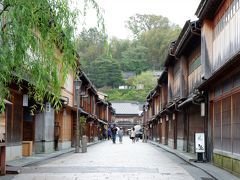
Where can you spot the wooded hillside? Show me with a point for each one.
(105, 60)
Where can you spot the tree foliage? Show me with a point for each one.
(135, 59)
(147, 79)
(37, 45)
(105, 72)
(139, 23)
(91, 45)
(147, 51)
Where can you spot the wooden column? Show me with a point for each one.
(184, 77)
(3, 123)
(3, 159)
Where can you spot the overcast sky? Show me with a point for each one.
(117, 12)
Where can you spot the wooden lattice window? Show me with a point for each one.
(195, 64)
(236, 123)
(217, 126)
(236, 80)
(226, 124)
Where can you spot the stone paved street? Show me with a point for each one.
(114, 161)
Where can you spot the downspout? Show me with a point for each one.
(107, 113)
(187, 114)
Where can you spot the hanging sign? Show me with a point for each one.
(202, 109)
(173, 116)
(166, 117)
(25, 100)
(199, 142)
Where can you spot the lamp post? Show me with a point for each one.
(77, 86)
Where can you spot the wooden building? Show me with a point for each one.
(65, 118)
(94, 109)
(127, 114)
(49, 130)
(189, 119)
(174, 108)
(220, 47)
(155, 121)
(203, 87)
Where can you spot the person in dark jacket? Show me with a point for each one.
(114, 133)
(109, 133)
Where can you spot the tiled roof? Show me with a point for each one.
(126, 108)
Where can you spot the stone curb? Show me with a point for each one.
(49, 156)
(221, 174)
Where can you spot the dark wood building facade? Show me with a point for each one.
(202, 87)
(220, 47)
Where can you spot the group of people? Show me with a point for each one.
(113, 132)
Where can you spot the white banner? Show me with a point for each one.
(199, 142)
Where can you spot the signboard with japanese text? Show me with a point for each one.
(199, 142)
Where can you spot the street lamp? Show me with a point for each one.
(77, 86)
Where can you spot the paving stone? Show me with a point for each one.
(130, 161)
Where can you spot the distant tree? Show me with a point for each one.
(142, 23)
(157, 42)
(147, 79)
(147, 51)
(106, 72)
(117, 46)
(91, 44)
(154, 33)
(135, 59)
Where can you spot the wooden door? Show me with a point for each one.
(28, 125)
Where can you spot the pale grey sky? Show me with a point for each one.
(117, 12)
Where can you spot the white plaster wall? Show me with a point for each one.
(13, 152)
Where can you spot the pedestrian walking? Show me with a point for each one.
(114, 132)
(133, 134)
(120, 134)
(104, 134)
(109, 133)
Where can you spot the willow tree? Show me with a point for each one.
(37, 45)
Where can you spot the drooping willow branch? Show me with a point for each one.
(37, 42)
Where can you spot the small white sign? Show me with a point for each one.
(173, 116)
(166, 117)
(199, 142)
(25, 100)
(202, 109)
